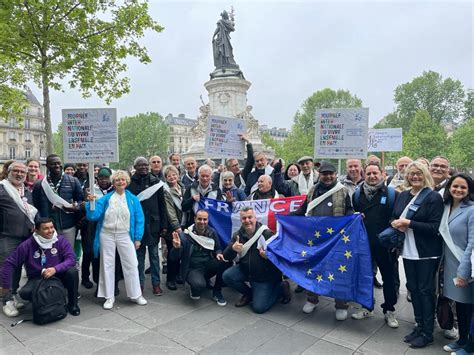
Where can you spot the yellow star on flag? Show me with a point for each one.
(348, 254)
(342, 231)
(330, 231)
(303, 253)
(309, 272)
(317, 234)
(319, 278)
(331, 277)
(310, 243)
(342, 268)
(346, 239)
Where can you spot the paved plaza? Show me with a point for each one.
(175, 324)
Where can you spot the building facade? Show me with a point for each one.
(180, 133)
(28, 140)
(278, 134)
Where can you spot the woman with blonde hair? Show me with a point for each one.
(417, 214)
(120, 227)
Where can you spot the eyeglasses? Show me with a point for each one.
(438, 166)
(16, 171)
(413, 174)
(156, 162)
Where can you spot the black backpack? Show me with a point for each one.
(49, 301)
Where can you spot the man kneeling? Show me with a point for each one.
(253, 266)
(201, 257)
(44, 254)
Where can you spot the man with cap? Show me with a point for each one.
(299, 185)
(337, 203)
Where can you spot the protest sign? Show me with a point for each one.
(385, 140)
(90, 135)
(341, 133)
(222, 139)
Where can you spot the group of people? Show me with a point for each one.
(121, 217)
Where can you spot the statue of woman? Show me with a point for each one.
(223, 56)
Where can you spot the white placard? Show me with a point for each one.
(385, 140)
(341, 133)
(90, 135)
(222, 139)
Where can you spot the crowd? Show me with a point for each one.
(115, 221)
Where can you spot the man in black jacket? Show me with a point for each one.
(376, 201)
(201, 257)
(249, 244)
(152, 200)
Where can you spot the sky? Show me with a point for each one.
(289, 50)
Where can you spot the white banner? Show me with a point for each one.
(222, 139)
(385, 140)
(90, 135)
(341, 133)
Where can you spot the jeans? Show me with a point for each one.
(421, 282)
(263, 294)
(154, 263)
(197, 277)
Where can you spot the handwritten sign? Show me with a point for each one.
(385, 140)
(222, 140)
(341, 133)
(90, 135)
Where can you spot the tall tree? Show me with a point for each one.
(461, 150)
(443, 99)
(145, 134)
(469, 104)
(83, 40)
(300, 140)
(426, 137)
(13, 101)
(58, 142)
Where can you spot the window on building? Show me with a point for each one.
(39, 112)
(171, 129)
(12, 153)
(171, 139)
(12, 135)
(27, 137)
(187, 140)
(180, 140)
(27, 153)
(27, 123)
(12, 122)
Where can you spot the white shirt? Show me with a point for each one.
(117, 215)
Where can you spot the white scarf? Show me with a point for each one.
(303, 184)
(45, 243)
(176, 200)
(251, 241)
(55, 199)
(205, 242)
(324, 196)
(448, 239)
(148, 192)
(29, 210)
(268, 171)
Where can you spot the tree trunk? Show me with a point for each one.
(47, 114)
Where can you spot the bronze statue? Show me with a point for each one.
(223, 52)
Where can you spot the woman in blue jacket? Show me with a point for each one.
(120, 227)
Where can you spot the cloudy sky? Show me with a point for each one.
(288, 50)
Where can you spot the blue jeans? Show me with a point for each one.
(154, 264)
(263, 294)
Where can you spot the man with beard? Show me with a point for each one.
(16, 223)
(58, 196)
(337, 202)
(149, 190)
(299, 185)
(376, 201)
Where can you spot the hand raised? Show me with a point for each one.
(176, 240)
(237, 246)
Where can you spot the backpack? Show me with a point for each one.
(49, 301)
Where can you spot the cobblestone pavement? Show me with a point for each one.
(175, 324)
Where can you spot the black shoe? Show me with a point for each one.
(179, 280)
(148, 271)
(285, 292)
(377, 283)
(164, 269)
(421, 341)
(171, 285)
(299, 289)
(414, 334)
(74, 310)
(87, 284)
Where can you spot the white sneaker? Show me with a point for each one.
(308, 307)
(390, 319)
(141, 301)
(451, 333)
(18, 304)
(109, 303)
(363, 313)
(10, 310)
(341, 314)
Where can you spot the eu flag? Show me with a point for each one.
(327, 255)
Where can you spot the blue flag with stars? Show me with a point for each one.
(326, 255)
